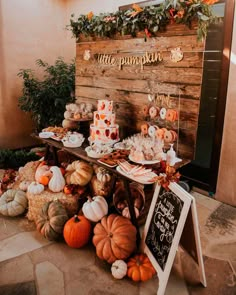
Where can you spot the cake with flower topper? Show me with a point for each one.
(104, 129)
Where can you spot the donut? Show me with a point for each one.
(146, 110)
(170, 136)
(144, 128)
(163, 113)
(174, 134)
(171, 115)
(160, 133)
(153, 112)
(152, 130)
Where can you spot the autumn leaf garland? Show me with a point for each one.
(149, 19)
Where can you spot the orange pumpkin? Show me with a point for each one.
(114, 238)
(44, 180)
(77, 231)
(140, 268)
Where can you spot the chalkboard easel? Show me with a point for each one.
(172, 220)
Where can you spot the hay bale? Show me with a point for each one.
(36, 202)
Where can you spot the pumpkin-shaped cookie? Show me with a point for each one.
(51, 220)
(13, 202)
(114, 238)
(79, 172)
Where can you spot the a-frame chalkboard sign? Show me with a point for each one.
(172, 219)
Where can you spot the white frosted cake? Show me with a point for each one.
(104, 128)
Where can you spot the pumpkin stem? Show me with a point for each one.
(76, 218)
(89, 198)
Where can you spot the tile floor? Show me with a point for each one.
(30, 265)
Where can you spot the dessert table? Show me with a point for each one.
(52, 146)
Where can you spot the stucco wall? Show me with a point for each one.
(226, 185)
(28, 30)
(32, 29)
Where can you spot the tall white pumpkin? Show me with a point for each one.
(57, 182)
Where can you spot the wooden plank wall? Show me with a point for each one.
(130, 86)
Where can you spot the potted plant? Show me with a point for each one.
(46, 99)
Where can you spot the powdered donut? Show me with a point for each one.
(152, 130)
(163, 113)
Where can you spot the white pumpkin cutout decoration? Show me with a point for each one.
(95, 208)
(119, 269)
(57, 181)
(35, 188)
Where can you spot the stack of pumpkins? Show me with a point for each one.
(114, 236)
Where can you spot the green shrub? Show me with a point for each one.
(46, 99)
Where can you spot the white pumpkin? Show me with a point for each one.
(95, 208)
(24, 185)
(126, 213)
(35, 188)
(119, 269)
(57, 182)
(103, 175)
(43, 170)
(13, 202)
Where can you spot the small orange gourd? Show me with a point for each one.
(140, 268)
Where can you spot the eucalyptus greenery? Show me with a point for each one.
(46, 99)
(150, 19)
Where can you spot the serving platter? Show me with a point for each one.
(144, 162)
(139, 179)
(46, 134)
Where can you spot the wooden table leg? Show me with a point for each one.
(130, 202)
(47, 152)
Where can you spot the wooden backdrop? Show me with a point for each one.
(130, 86)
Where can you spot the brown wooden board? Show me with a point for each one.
(130, 86)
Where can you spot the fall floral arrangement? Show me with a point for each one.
(150, 19)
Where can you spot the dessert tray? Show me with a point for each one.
(144, 162)
(97, 152)
(137, 173)
(73, 139)
(111, 160)
(46, 134)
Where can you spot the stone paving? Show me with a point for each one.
(30, 265)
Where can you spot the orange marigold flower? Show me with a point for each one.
(90, 15)
(210, 2)
(137, 8)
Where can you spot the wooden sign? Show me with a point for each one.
(165, 70)
(147, 58)
(163, 230)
